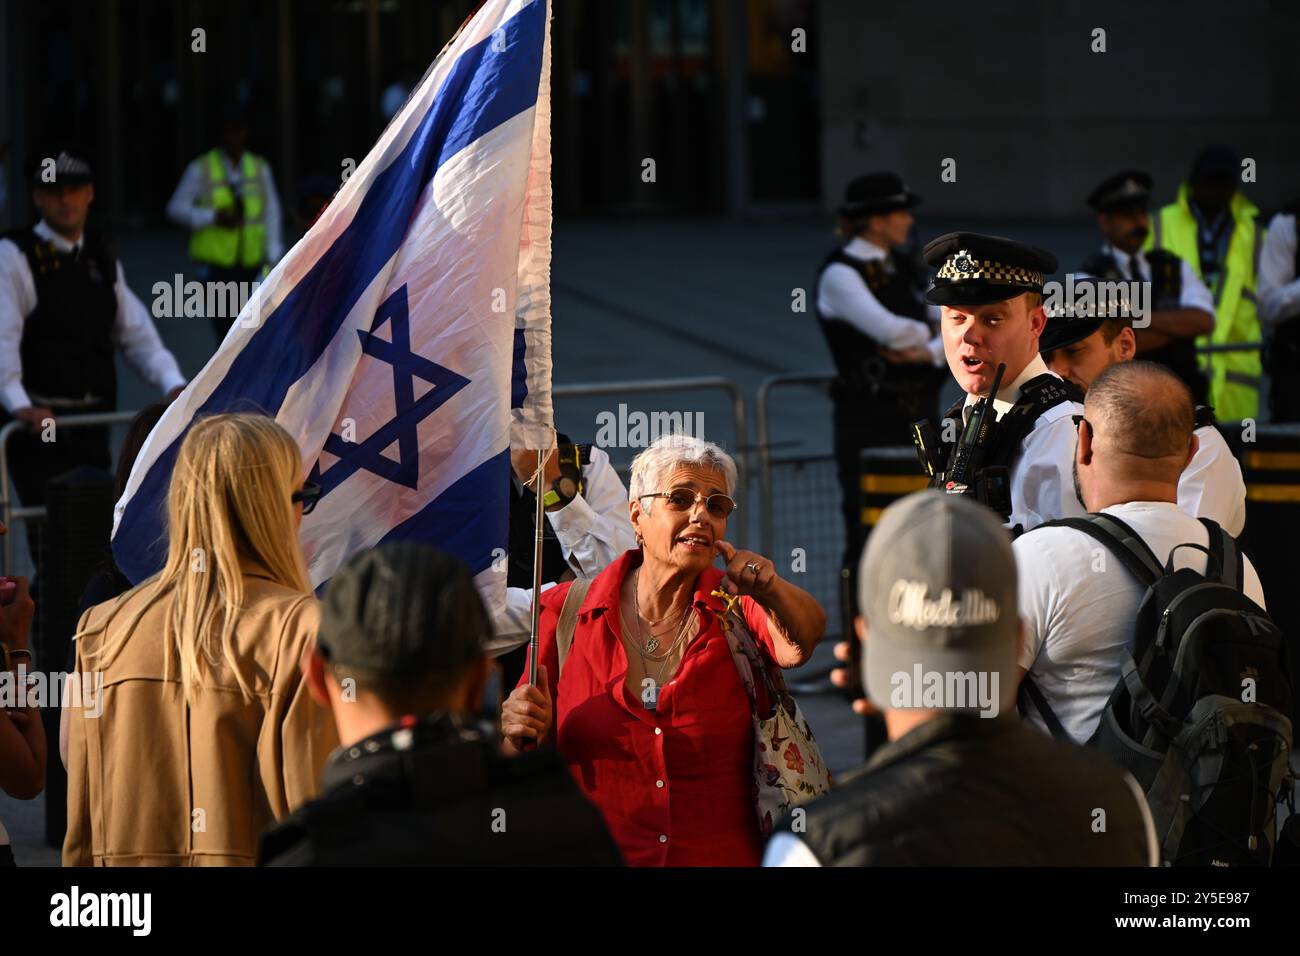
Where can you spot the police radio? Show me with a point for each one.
(965, 473)
(968, 453)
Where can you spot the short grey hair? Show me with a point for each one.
(667, 452)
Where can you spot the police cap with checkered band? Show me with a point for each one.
(975, 269)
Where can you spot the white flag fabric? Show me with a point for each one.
(401, 339)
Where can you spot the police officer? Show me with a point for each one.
(227, 199)
(991, 293)
(399, 663)
(870, 310)
(1080, 343)
(65, 309)
(1213, 226)
(1279, 312)
(1181, 306)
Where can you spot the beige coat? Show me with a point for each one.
(153, 781)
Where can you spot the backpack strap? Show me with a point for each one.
(1121, 540)
(1150, 709)
(1030, 689)
(1223, 548)
(568, 624)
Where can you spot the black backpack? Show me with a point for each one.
(1200, 716)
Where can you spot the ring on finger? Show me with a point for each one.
(753, 567)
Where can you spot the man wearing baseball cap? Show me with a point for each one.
(1181, 306)
(1081, 342)
(399, 662)
(962, 781)
(990, 291)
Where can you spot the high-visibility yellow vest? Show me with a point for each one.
(1234, 376)
(246, 244)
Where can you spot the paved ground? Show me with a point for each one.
(646, 300)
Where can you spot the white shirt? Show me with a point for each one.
(1279, 286)
(1212, 486)
(1194, 294)
(1079, 605)
(133, 330)
(1042, 480)
(786, 849)
(843, 296)
(183, 208)
(593, 529)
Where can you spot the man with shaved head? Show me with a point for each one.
(1079, 603)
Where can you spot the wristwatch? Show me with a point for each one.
(569, 485)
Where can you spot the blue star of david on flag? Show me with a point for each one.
(409, 411)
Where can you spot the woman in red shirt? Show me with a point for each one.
(649, 711)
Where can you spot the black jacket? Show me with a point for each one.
(435, 792)
(963, 790)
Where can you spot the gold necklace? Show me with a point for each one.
(648, 655)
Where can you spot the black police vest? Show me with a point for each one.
(67, 344)
(896, 285)
(1166, 293)
(978, 792)
(523, 513)
(1038, 395)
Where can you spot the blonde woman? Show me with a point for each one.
(205, 732)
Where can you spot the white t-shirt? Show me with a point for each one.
(1212, 486)
(1079, 605)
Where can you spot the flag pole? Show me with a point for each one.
(537, 566)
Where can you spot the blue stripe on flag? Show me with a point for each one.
(489, 83)
(519, 372)
(458, 522)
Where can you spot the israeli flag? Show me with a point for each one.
(406, 336)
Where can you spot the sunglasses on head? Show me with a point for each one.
(684, 499)
(308, 494)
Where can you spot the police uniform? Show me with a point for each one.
(868, 299)
(1035, 434)
(214, 182)
(65, 309)
(1211, 485)
(1224, 254)
(1279, 313)
(1174, 283)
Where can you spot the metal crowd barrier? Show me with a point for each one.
(729, 388)
(809, 485)
(9, 511)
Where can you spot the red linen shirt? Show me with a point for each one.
(675, 784)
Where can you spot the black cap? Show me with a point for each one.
(1129, 188)
(67, 170)
(975, 269)
(877, 193)
(403, 609)
(1074, 321)
(1215, 161)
